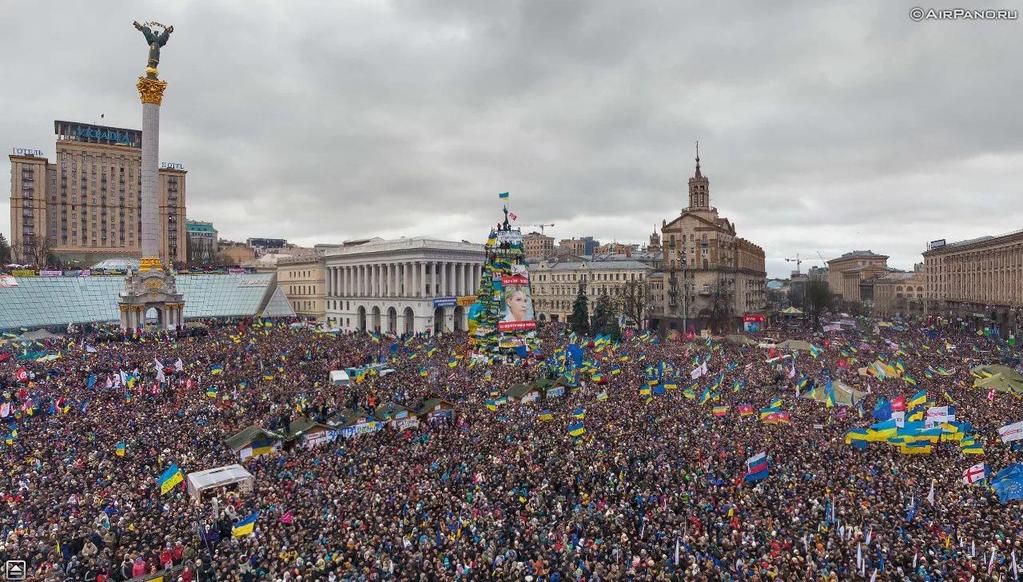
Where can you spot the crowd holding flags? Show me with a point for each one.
(756, 468)
(910, 432)
(245, 526)
(169, 478)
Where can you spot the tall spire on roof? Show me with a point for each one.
(697, 158)
(699, 187)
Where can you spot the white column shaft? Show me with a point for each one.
(150, 185)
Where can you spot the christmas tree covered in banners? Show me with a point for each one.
(502, 320)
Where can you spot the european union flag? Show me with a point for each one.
(1008, 483)
(882, 410)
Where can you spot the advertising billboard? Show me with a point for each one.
(516, 304)
(753, 322)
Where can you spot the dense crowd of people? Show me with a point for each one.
(653, 490)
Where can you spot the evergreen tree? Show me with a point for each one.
(5, 251)
(505, 257)
(579, 320)
(605, 318)
(818, 299)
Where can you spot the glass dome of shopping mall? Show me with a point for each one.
(118, 264)
(32, 302)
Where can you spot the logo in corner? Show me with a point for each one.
(14, 570)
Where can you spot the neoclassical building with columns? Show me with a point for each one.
(406, 285)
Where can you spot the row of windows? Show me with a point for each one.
(591, 277)
(303, 305)
(301, 289)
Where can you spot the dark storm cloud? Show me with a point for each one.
(824, 128)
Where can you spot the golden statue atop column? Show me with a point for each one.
(150, 87)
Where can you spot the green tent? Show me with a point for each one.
(1001, 378)
(302, 425)
(518, 391)
(792, 311)
(248, 435)
(389, 410)
(845, 395)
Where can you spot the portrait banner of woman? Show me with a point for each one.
(517, 309)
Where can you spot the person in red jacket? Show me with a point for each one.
(138, 568)
(177, 552)
(166, 558)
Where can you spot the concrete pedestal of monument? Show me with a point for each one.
(151, 289)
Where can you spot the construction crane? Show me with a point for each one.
(797, 261)
(540, 226)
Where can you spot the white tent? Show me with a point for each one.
(339, 378)
(201, 481)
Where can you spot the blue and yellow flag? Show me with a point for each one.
(579, 412)
(171, 477)
(245, 526)
(262, 447)
(503, 196)
(546, 415)
(708, 395)
(120, 450)
(918, 399)
(216, 369)
(211, 392)
(576, 429)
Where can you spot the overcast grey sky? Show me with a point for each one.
(823, 128)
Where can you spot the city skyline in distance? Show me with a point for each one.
(821, 129)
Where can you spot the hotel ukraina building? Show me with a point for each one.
(86, 204)
(978, 277)
(407, 285)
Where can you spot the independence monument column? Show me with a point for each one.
(152, 287)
